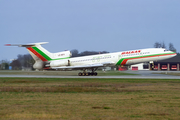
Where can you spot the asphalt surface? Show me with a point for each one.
(141, 74)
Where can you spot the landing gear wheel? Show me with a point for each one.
(83, 74)
(87, 74)
(95, 74)
(80, 74)
(92, 74)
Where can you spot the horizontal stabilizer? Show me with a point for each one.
(26, 45)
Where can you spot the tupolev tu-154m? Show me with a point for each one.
(62, 60)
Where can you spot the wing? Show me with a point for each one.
(89, 66)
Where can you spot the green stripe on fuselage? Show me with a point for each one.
(120, 61)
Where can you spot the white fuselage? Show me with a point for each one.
(61, 60)
(118, 58)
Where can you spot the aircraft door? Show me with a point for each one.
(68, 62)
(141, 57)
(119, 57)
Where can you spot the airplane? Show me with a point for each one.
(63, 61)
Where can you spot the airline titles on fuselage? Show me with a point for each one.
(130, 52)
(133, 53)
(61, 54)
(99, 58)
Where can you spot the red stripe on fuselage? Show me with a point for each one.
(125, 60)
(36, 53)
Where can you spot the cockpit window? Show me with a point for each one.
(166, 50)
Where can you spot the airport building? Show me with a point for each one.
(140, 66)
(168, 65)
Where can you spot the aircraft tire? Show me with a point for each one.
(95, 74)
(87, 74)
(91, 73)
(80, 74)
(83, 74)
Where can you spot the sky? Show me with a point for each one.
(93, 25)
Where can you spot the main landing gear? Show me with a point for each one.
(87, 73)
(84, 73)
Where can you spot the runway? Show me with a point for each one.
(140, 75)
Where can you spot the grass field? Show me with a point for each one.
(97, 99)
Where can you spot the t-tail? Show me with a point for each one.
(41, 56)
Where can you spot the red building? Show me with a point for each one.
(169, 64)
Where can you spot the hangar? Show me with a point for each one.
(169, 64)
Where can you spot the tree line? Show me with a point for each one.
(22, 61)
(75, 53)
(162, 45)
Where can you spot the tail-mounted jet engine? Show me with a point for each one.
(38, 65)
(59, 63)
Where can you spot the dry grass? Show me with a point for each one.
(144, 99)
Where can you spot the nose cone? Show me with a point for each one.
(173, 53)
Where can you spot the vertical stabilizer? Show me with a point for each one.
(41, 55)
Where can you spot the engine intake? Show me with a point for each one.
(38, 65)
